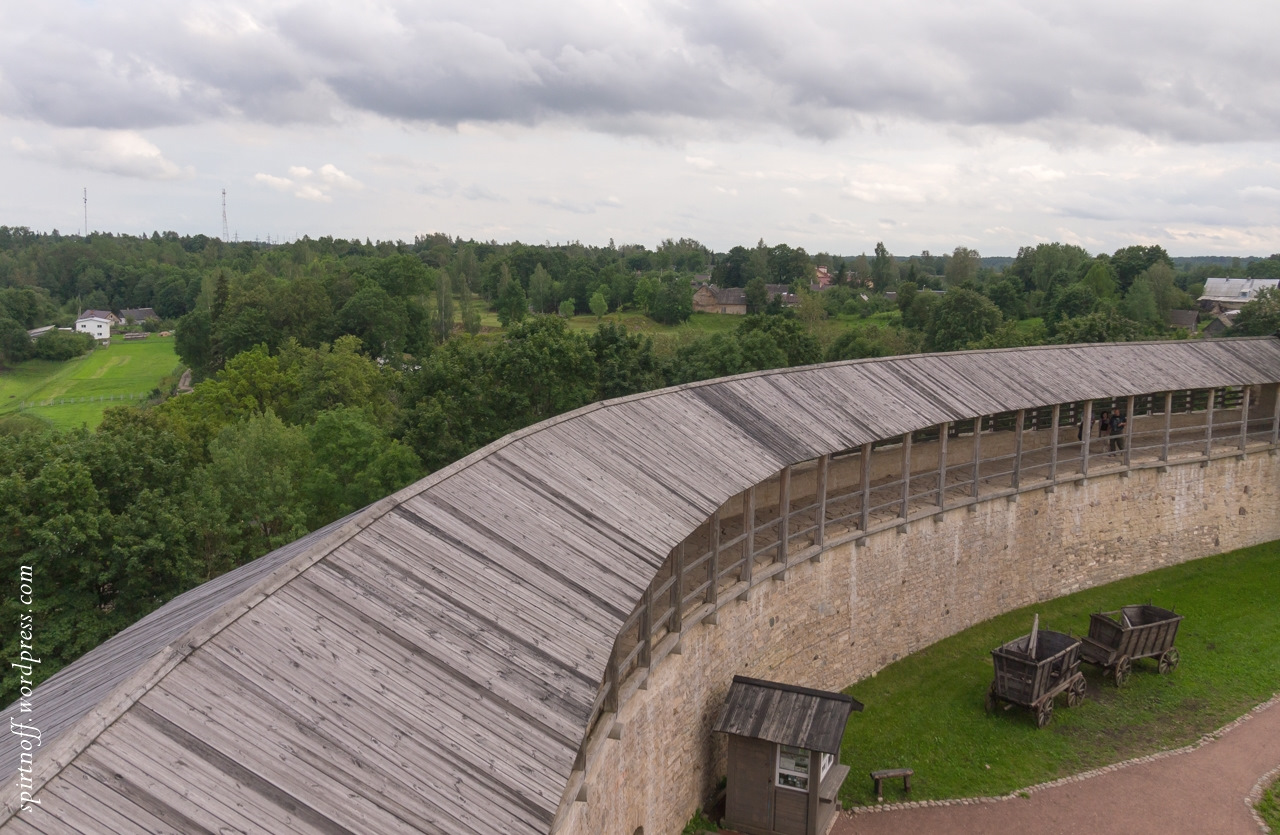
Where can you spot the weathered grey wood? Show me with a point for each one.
(1055, 430)
(1208, 425)
(646, 628)
(784, 520)
(944, 429)
(1168, 426)
(1128, 433)
(977, 457)
(904, 507)
(713, 565)
(1275, 419)
(676, 624)
(1086, 435)
(864, 463)
(819, 534)
(749, 529)
(1020, 417)
(1244, 417)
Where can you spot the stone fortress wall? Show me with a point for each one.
(861, 600)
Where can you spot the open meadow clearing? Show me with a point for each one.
(68, 394)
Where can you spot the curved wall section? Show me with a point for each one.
(837, 620)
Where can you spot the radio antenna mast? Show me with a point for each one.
(226, 236)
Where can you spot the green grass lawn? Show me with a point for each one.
(82, 389)
(926, 711)
(1269, 806)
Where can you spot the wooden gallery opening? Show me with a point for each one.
(784, 771)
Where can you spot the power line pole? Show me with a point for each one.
(226, 235)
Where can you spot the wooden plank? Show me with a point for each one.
(1244, 418)
(819, 536)
(865, 464)
(977, 456)
(1128, 432)
(1055, 430)
(944, 430)
(713, 564)
(749, 529)
(905, 502)
(1168, 424)
(677, 588)
(784, 518)
(1208, 425)
(1086, 436)
(1016, 476)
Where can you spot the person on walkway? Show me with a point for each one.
(1104, 424)
(1117, 431)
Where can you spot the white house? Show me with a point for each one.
(95, 326)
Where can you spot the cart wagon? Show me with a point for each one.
(1035, 668)
(1116, 638)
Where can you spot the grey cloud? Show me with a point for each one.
(1190, 71)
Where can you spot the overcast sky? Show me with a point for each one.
(991, 124)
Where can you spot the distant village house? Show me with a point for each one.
(1227, 294)
(709, 298)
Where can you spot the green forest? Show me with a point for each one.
(328, 373)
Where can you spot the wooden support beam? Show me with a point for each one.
(1244, 417)
(1168, 426)
(1053, 442)
(820, 531)
(676, 624)
(784, 520)
(977, 455)
(1016, 477)
(866, 488)
(713, 563)
(611, 683)
(944, 429)
(1086, 436)
(1208, 426)
(1275, 418)
(1128, 433)
(904, 505)
(749, 532)
(646, 628)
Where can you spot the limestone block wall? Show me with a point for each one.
(835, 621)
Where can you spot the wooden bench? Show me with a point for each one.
(888, 774)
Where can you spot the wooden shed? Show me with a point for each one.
(780, 738)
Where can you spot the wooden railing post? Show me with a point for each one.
(646, 634)
(784, 519)
(676, 623)
(1208, 426)
(1244, 417)
(820, 529)
(977, 455)
(1168, 425)
(1053, 443)
(903, 507)
(749, 535)
(1086, 434)
(1128, 433)
(1016, 479)
(611, 683)
(866, 488)
(1275, 418)
(944, 429)
(713, 562)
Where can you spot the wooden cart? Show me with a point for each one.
(1032, 670)
(1116, 638)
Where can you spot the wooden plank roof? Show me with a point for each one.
(788, 715)
(429, 663)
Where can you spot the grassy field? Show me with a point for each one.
(68, 394)
(926, 711)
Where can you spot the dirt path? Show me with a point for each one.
(1203, 790)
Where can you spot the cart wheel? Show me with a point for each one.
(1169, 661)
(1044, 713)
(1123, 667)
(990, 702)
(1076, 694)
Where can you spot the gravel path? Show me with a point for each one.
(1205, 789)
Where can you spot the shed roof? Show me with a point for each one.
(430, 663)
(786, 714)
(1235, 290)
